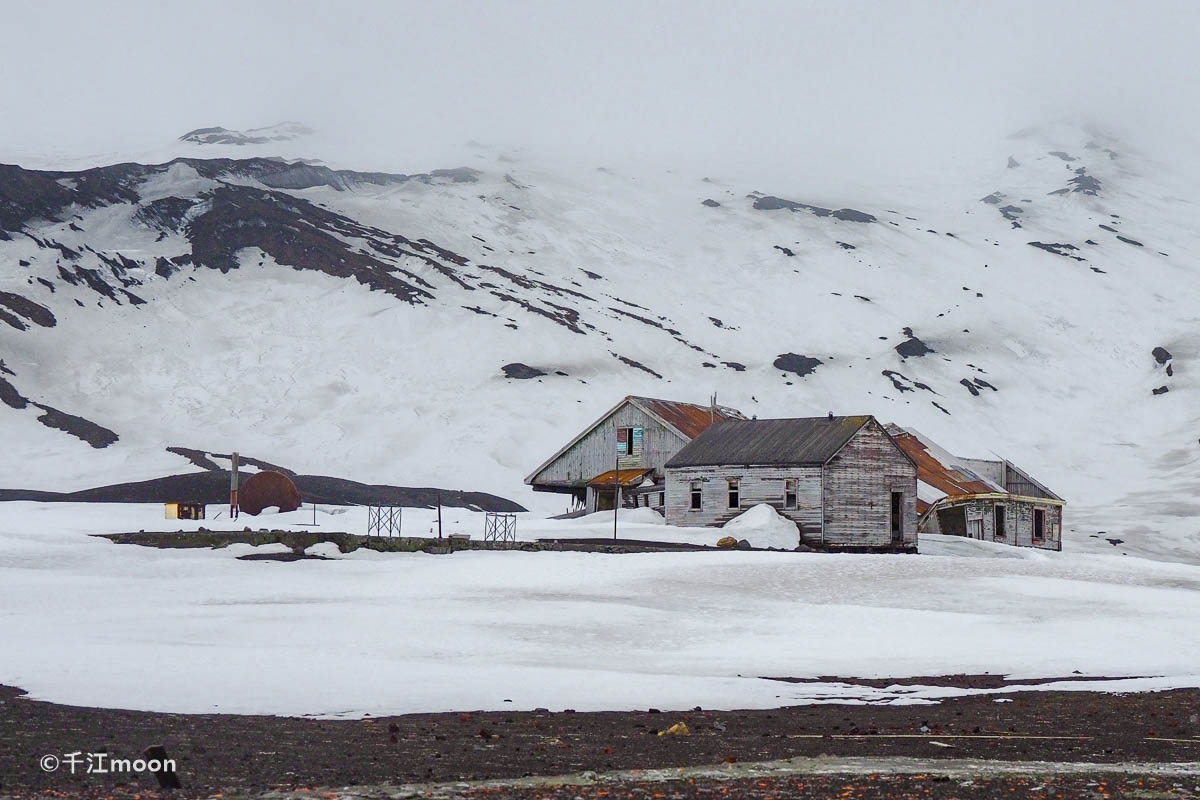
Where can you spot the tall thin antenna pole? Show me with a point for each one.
(233, 487)
(439, 496)
(616, 478)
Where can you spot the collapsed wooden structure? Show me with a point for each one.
(988, 499)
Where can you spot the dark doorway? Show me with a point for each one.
(604, 499)
(897, 515)
(1001, 529)
(1039, 524)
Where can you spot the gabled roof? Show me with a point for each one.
(938, 469)
(686, 420)
(940, 474)
(770, 442)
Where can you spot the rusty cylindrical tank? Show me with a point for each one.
(265, 489)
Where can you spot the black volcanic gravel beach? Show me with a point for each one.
(251, 754)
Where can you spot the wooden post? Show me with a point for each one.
(439, 496)
(233, 487)
(616, 477)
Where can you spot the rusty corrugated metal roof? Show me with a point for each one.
(688, 418)
(939, 469)
(807, 440)
(627, 477)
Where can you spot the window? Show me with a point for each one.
(789, 493)
(1001, 523)
(629, 441)
(624, 441)
(734, 500)
(662, 499)
(1039, 524)
(696, 494)
(897, 513)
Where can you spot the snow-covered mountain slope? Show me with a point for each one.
(360, 322)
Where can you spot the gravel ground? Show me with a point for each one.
(252, 754)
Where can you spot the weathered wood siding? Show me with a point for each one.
(597, 452)
(858, 483)
(1017, 482)
(755, 485)
(976, 519)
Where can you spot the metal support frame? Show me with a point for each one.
(499, 527)
(384, 520)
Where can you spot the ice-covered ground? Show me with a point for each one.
(89, 622)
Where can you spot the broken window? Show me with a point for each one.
(1039, 523)
(789, 493)
(897, 513)
(629, 441)
(696, 495)
(734, 499)
(1001, 523)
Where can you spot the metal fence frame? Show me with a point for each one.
(384, 520)
(499, 527)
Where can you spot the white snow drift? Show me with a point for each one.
(89, 622)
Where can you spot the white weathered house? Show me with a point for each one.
(624, 451)
(988, 499)
(843, 480)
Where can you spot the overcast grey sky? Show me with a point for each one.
(846, 83)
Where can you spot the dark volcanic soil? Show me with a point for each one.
(251, 753)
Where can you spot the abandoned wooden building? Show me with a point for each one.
(992, 500)
(624, 452)
(843, 480)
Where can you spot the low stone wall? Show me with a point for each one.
(299, 541)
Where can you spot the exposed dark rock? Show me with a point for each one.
(1084, 183)
(634, 364)
(1161, 355)
(1011, 213)
(1058, 249)
(711, 203)
(784, 250)
(1161, 390)
(296, 233)
(940, 407)
(770, 203)
(1108, 228)
(994, 199)
(167, 213)
(9, 394)
(801, 365)
(735, 366)
(213, 488)
(1127, 240)
(97, 436)
(12, 320)
(912, 347)
(283, 132)
(974, 386)
(593, 275)
(1013, 163)
(1062, 155)
(35, 313)
(846, 246)
(522, 371)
